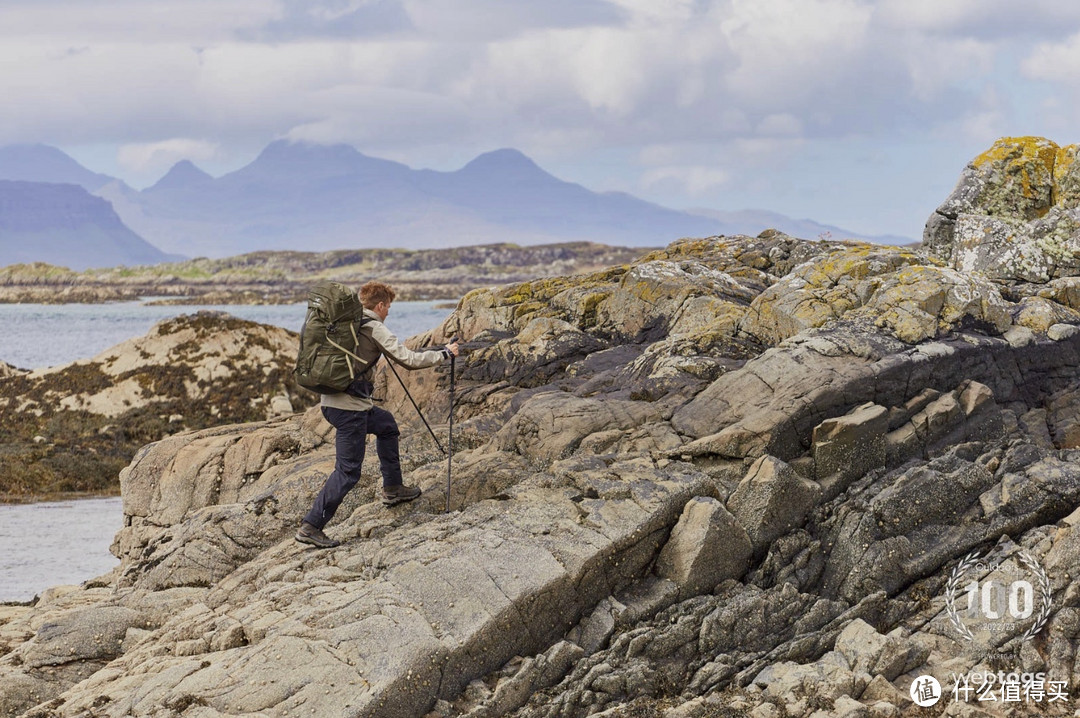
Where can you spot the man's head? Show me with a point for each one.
(377, 297)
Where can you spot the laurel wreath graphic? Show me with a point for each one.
(1045, 593)
(950, 593)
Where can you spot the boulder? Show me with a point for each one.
(707, 546)
(771, 500)
(848, 446)
(1009, 216)
(822, 290)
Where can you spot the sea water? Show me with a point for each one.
(62, 542)
(54, 543)
(35, 336)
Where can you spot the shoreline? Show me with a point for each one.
(56, 496)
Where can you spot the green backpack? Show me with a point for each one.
(327, 362)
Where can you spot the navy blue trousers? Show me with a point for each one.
(352, 430)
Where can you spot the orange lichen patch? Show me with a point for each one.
(1019, 177)
(1011, 149)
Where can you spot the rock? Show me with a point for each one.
(969, 412)
(595, 629)
(847, 447)
(552, 425)
(765, 710)
(80, 635)
(707, 546)
(1062, 420)
(919, 303)
(1040, 314)
(93, 415)
(848, 707)
(1009, 214)
(1058, 332)
(770, 501)
(19, 692)
(280, 405)
(534, 674)
(867, 651)
(1019, 337)
(881, 690)
(826, 289)
(610, 488)
(788, 681)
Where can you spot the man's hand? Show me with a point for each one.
(452, 347)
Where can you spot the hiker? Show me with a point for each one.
(355, 416)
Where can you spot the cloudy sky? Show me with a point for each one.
(858, 113)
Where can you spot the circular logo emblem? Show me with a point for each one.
(992, 596)
(925, 691)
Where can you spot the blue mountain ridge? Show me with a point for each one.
(305, 196)
(65, 225)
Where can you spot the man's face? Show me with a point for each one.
(381, 310)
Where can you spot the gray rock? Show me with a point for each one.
(592, 633)
(707, 546)
(848, 446)
(771, 500)
(1058, 332)
(82, 634)
(1019, 336)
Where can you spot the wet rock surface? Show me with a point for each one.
(745, 476)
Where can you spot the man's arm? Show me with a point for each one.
(401, 354)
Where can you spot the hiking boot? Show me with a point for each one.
(399, 494)
(315, 537)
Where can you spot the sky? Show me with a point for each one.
(857, 113)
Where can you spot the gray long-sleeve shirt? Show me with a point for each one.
(395, 351)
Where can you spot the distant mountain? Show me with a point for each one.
(65, 225)
(41, 163)
(183, 175)
(315, 197)
(309, 197)
(753, 221)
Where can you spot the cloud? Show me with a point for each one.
(307, 19)
(154, 157)
(1054, 61)
(622, 72)
(139, 22)
(981, 19)
(732, 83)
(694, 180)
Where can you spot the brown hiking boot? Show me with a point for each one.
(315, 537)
(399, 494)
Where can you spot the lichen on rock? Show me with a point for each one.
(734, 475)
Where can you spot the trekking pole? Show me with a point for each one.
(450, 437)
(418, 413)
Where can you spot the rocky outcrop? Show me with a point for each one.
(74, 427)
(720, 481)
(1011, 215)
(285, 277)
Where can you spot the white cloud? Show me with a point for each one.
(787, 49)
(156, 156)
(1054, 61)
(695, 181)
(133, 21)
(980, 19)
(723, 82)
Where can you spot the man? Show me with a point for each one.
(355, 416)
